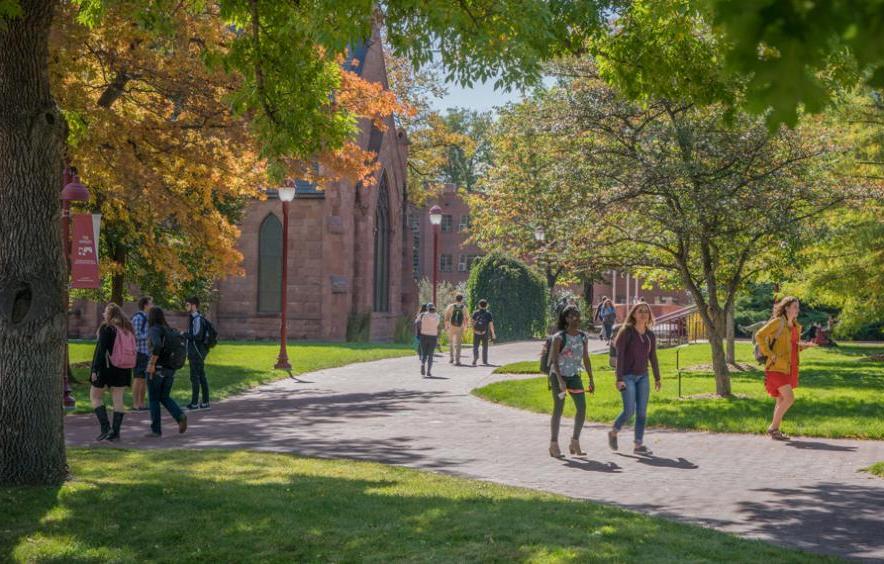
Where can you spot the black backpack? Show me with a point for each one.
(174, 351)
(480, 322)
(457, 315)
(211, 335)
(547, 346)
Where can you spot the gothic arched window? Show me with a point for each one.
(270, 265)
(382, 237)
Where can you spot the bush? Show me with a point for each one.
(404, 331)
(516, 296)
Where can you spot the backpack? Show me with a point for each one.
(174, 351)
(124, 354)
(756, 350)
(457, 315)
(480, 323)
(547, 346)
(211, 335)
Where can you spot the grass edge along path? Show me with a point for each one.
(235, 366)
(876, 469)
(838, 396)
(247, 506)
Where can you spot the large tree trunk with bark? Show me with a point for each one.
(588, 293)
(719, 358)
(32, 273)
(117, 280)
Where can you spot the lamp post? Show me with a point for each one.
(435, 221)
(286, 195)
(72, 191)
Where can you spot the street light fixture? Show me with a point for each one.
(435, 221)
(286, 195)
(539, 234)
(72, 191)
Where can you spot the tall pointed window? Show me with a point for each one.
(270, 265)
(382, 238)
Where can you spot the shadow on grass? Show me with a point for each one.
(253, 507)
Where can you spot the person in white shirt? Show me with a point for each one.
(455, 321)
(429, 332)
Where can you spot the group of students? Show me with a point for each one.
(427, 324)
(777, 344)
(149, 347)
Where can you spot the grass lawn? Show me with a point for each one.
(876, 469)
(232, 367)
(839, 394)
(240, 506)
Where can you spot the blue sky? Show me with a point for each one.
(482, 97)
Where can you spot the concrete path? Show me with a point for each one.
(806, 493)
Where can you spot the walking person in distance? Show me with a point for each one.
(778, 342)
(168, 350)
(417, 331)
(140, 325)
(455, 319)
(483, 326)
(112, 364)
(607, 315)
(429, 328)
(636, 347)
(567, 351)
(197, 350)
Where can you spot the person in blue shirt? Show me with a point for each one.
(139, 323)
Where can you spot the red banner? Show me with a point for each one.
(84, 251)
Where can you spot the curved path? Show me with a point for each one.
(806, 493)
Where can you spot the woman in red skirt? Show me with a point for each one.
(778, 340)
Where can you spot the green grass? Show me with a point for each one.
(877, 469)
(232, 367)
(239, 506)
(839, 395)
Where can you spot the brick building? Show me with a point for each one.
(349, 250)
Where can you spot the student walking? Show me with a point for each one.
(636, 346)
(778, 342)
(139, 324)
(429, 331)
(165, 345)
(567, 351)
(607, 315)
(483, 326)
(417, 331)
(112, 365)
(196, 354)
(455, 319)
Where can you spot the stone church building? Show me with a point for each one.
(350, 251)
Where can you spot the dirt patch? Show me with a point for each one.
(738, 367)
(873, 358)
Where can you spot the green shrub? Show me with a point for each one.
(358, 327)
(516, 296)
(404, 331)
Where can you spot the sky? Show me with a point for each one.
(481, 97)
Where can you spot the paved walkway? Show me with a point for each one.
(806, 493)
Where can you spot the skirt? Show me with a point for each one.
(774, 380)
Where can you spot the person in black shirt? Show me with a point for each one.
(196, 354)
(160, 378)
(483, 326)
(106, 375)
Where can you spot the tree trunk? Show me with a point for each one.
(731, 336)
(117, 280)
(32, 273)
(719, 365)
(588, 293)
(551, 278)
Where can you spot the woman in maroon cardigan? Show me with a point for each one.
(636, 346)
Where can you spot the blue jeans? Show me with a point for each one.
(198, 380)
(159, 388)
(635, 402)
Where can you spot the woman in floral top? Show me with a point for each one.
(566, 354)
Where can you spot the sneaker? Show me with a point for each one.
(474, 362)
(205, 406)
(642, 450)
(192, 406)
(423, 370)
(450, 361)
(182, 424)
(612, 440)
(153, 435)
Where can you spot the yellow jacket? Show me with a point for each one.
(779, 357)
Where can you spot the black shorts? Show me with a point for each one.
(141, 361)
(113, 377)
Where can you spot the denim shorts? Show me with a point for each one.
(141, 361)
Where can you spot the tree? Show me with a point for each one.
(516, 296)
(286, 60)
(709, 197)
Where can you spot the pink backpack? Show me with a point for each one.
(124, 354)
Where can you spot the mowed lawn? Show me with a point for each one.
(876, 469)
(241, 506)
(840, 394)
(232, 367)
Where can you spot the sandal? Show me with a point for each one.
(778, 435)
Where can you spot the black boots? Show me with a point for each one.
(101, 414)
(115, 431)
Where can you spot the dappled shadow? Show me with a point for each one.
(815, 445)
(658, 461)
(23, 510)
(206, 507)
(826, 517)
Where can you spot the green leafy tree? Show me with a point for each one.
(516, 296)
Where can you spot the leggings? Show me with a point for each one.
(559, 406)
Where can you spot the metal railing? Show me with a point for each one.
(679, 327)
